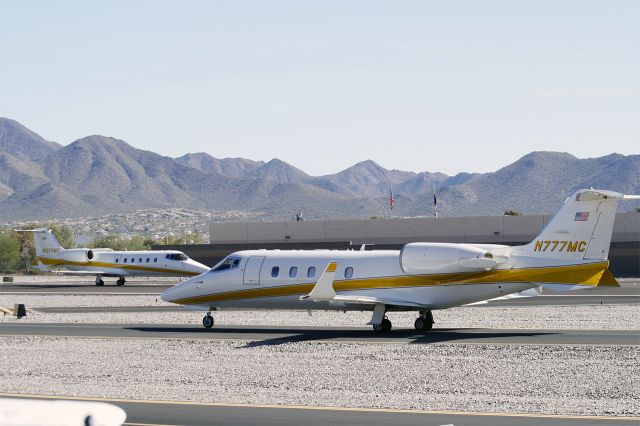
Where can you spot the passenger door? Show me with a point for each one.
(252, 270)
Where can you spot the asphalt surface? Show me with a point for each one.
(597, 296)
(185, 413)
(272, 335)
(181, 413)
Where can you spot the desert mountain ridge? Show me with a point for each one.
(98, 175)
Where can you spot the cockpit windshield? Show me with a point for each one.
(177, 256)
(227, 263)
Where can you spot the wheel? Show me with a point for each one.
(207, 321)
(120, 281)
(386, 325)
(419, 324)
(383, 328)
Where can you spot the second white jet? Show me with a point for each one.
(105, 262)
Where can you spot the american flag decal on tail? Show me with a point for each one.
(581, 217)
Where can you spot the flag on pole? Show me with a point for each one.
(392, 200)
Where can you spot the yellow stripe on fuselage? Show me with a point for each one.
(585, 274)
(61, 262)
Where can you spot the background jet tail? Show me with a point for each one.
(44, 241)
(580, 230)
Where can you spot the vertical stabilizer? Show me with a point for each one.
(44, 241)
(581, 229)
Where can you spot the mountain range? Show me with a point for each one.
(97, 175)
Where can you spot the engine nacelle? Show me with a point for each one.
(79, 255)
(439, 258)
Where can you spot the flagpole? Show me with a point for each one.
(435, 203)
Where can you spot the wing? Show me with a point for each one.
(79, 273)
(324, 291)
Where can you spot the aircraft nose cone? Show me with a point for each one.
(167, 295)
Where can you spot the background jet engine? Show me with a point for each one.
(79, 255)
(439, 258)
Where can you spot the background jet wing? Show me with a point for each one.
(80, 273)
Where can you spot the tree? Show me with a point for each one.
(510, 212)
(64, 235)
(9, 252)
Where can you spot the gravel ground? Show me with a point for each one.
(486, 378)
(592, 317)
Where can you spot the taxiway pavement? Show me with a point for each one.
(597, 296)
(272, 335)
(167, 413)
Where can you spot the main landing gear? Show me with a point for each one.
(207, 320)
(120, 281)
(384, 327)
(99, 280)
(424, 322)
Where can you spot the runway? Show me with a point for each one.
(271, 335)
(597, 296)
(166, 413)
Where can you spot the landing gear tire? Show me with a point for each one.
(99, 281)
(120, 281)
(207, 321)
(424, 322)
(384, 327)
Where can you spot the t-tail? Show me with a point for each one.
(46, 244)
(579, 234)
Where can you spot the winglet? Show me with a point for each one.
(323, 290)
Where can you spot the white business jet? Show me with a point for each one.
(105, 262)
(570, 252)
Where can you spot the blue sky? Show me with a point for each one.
(414, 85)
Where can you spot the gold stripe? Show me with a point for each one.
(586, 274)
(60, 262)
(331, 267)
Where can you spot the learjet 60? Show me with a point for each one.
(570, 253)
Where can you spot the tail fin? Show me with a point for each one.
(581, 229)
(45, 242)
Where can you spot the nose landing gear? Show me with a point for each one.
(424, 322)
(120, 281)
(207, 320)
(99, 280)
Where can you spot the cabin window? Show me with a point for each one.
(275, 271)
(140, 260)
(155, 260)
(124, 260)
(293, 271)
(133, 260)
(311, 272)
(147, 260)
(117, 260)
(348, 272)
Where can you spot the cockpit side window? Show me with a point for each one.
(226, 263)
